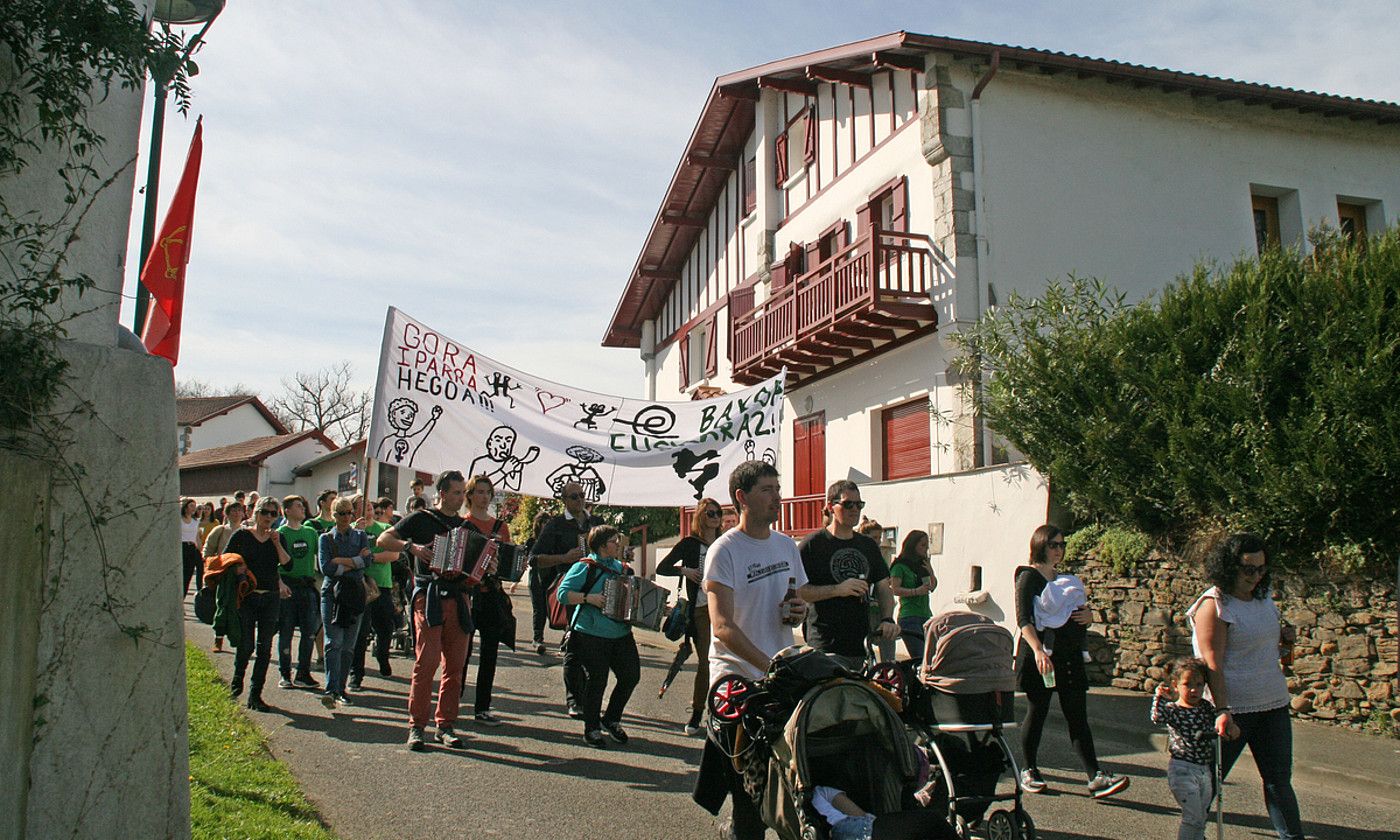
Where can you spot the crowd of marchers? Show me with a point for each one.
(357, 575)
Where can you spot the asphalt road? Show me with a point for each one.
(533, 777)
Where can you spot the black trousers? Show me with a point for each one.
(717, 780)
(379, 616)
(193, 562)
(489, 652)
(1074, 705)
(539, 607)
(597, 656)
(259, 615)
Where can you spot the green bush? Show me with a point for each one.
(1122, 548)
(1262, 397)
(1080, 544)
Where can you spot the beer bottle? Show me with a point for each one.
(785, 609)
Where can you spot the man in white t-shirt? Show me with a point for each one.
(748, 570)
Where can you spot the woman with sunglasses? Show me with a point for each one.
(1236, 629)
(263, 555)
(687, 560)
(1045, 672)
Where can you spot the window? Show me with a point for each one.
(388, 481)
(345, 482)
(750, 185)
(699, 353)
(1351, 220)
(1266, 233)
(905, 433)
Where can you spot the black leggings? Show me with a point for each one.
(489, 648)
(1074, 705)
(193, 562)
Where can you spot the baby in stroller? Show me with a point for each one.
(823, 752)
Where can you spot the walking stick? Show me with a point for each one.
(1219, 791)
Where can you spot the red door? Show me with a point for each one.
(809, 454)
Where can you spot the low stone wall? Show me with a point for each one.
(1345, 664)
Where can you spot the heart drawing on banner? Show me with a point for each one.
(549, 402)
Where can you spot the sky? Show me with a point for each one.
(493, 169)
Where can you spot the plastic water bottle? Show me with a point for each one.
(1049, 676)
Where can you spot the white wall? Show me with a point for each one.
(1134, 187)
(987, 517)
(276, 476)
(243, 423)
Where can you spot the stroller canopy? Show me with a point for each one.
(967, 653)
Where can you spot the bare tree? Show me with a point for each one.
(200, 388)
(325, 400)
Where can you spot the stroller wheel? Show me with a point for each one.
(887, 675)
(1001, 825)
(729, 697)
(1027, 824)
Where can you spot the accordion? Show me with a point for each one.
(465, 550)
(636, 601)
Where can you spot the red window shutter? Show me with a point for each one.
(712, 348)
(900, 198)
(683, 342)
(906, 440)
(809, 151)
(863, 213)
(780, 160)
(750, 185)
(814, 255)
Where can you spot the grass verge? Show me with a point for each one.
(237, 789)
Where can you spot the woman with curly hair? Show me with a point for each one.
(1236, 630)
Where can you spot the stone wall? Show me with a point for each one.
(1345, 664)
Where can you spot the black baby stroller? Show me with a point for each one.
(811, 722)
(961, 701)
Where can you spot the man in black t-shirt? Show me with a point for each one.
(560, 545)
(441, 616)
(841, 565)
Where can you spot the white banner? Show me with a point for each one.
(440, 405)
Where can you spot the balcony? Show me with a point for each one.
(801, 516)
(866, 295)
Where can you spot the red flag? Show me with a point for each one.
(164, 272)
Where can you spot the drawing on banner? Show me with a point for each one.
(548, 401)
(581, 471)
(501, 387)
(769, 456)
(703, 467)
(499, 463)
(653, 421)
(591, 413)
(401, 443)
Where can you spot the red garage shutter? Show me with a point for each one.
(906, 442)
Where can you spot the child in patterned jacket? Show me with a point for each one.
(1190, 720)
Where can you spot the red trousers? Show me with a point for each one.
(444, 645)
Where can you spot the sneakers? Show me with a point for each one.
(306, 681)
(284, 683)
(448, 738)
(328, 700)
(356, 684)
(485, 718)
(594, 738)
(343, 699)
(575, 712)
(1031, 781)
(256, 704)
(415, 739)
(384, 669)
(539, 648)
(692, 729)
(1104, 785)
(616, 732)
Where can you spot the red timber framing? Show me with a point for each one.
(864, 295)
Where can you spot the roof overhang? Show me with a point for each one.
(728, 117)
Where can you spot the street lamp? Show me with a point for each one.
(163, 70)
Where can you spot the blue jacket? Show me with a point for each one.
(334, 544)
(588, 618)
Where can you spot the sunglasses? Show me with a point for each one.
(1055, 544)
(713, 514)
(1253, 570)
(573, 497)
(267, 513)
(852, 505)
(344, 513)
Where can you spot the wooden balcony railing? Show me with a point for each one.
(856, 299)
(801, 516)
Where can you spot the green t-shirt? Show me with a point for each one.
(301, 545)
(380, 573)
(321, 525)
(910, 606)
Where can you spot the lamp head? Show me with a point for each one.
(186, 12)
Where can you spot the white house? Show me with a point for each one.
(843, 213)
(207, 422)
(341, 470)
(266, 464)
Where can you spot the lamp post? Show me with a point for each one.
(163, 70)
